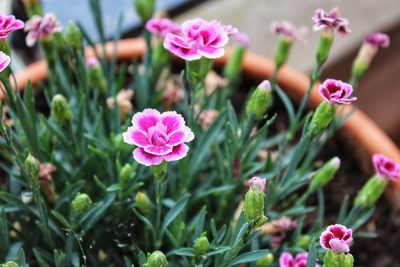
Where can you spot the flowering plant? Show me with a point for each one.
(149, 169)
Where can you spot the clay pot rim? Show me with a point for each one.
(362, 128)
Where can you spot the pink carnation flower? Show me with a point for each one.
(335, 91)
(289, 31)
(4, 61)
(162, 26)
(336, 238)
(330, 21)
(9, 24)
(241, 39)
(386, 167)
(257, 184)
(158, 137)
(286, 260)
(377, 39)
(199, 38)
(41, 27)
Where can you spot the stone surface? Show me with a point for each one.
(254, 18)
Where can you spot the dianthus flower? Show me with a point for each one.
(158, 137)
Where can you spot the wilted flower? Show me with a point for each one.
(330, 21)
(158, 136)
(41, 27)
(199, 38)
(9, 24)
(386, 167)
(378, 39)
(336, 238)
(288, 31)
(278, 229)
(124, 103)
(287, 260)
(5, 60)
(45, 171)
(46, 180)
(207, 117)
(162, 26)
(173, 93)
(214, 81)
(336, 91)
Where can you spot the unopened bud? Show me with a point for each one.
(157, 259)
(145, 8)
(254, 201)
(61, 110)
(96, 75)
(325, 174)
(201, 246)
(234, 65)
(303, 241)
(371, 192)
(31, 167)
(338, 260)
(73, 36)
(143, 203)
(260, 100)
(282, 54)
(81, 202)
(324, 46)
(322, 117)
(265, 261)
(126, 172)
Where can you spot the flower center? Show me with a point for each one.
(158, 136)
(389, 166)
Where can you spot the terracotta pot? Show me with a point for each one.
(364, 131)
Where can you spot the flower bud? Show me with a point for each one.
(31, 166)
(157, 259)
(10, 264)
(73, 36)
(338, 260)
(371, 192)
(61, 110)
(322, 117)
(254, 201)
(325, 174)
(303, 241)
(201, 246)
(282, 54)
(265, 261)
(145, 8)
(81, 203)
(234, 65)
(143, 203)
(96, 75)
(259, 100)
(125, 174)
(324, 46)
(160, 56)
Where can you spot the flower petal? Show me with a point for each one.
(146, 119)
(145, 158)
(172, 121)
(178, 152)
(136, 137)
(177, 137)
(158, 150)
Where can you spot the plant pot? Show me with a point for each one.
(364, 131)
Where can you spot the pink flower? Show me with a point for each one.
(286, 260)
(4, 61)
(241, 39)
(199, 38)
(9, 24)
(162, 26)
(41, 27)
(92, 62)
(289, 31)
(158, 137)
(257, 184)
(336, 238)
(377, 39)
(330, 21)
(386, 167)
(335, 91)
(265, 85)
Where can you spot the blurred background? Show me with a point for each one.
(379, 91)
